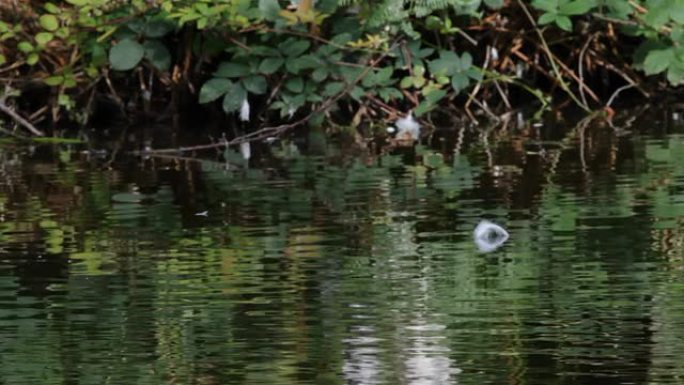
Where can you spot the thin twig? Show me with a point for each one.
(476, 89)
(615, 94)
(503, 95)
(580, 69)
(623, 75)
(23, 122)
(12, 133)
(551, 58)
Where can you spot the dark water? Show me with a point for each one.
(349, 268)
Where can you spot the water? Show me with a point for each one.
(349, 269)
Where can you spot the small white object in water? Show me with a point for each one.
(408, 125)
(244, 110)
(246, 150)
(489, 236)
(202, 214)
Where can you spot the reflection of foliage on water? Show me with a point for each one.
(323, 265)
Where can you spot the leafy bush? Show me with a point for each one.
(386, 55)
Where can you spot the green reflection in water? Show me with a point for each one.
(334, 270)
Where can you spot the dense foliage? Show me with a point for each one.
(373, 59)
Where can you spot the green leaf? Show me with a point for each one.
(342, 39)
(262, 50)
(50, 7)
(3, 59)
(126, 55)
(406, 82)
(369, 80)
(466, 62)
(292, 66)
(78, 2)
(494, 3)
(98, 55)
(550, 6)
(547, 18)
(49, 22)
(270, 65)
(658, 60)
(459, 82)
(332, 89)
(657, 16)
(423, 108)
(269, 9)
(357, 93)
(319, 74)
(677, 12)
(564, 23)
(619, 9)
(25, 47)
(435, 95)
(305, 62)
(295, 84)
(42, 38)
(447, 64)
(384, 76)
(233, 99)
(231, 70)
(350, 74)
(69, 81)
(294, 48)
(675, 74)
(255, 84)
(433, 23)
(474, 73)
(214, 89)
(53, 81)
(157, 28)
(389, 93)
(577, 7)
(418, 81)
(157, 53)
(32, 58)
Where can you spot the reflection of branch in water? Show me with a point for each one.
(577, 131)
(218, 165)
(459, 140)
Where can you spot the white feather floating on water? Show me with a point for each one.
(244, 110)
(489, 236)
(408, 125)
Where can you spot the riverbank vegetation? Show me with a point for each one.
(270, 66)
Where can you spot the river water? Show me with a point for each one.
(315, 265)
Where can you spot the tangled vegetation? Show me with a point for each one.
(348, 62)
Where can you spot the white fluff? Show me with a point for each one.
(495, 53)
(489, 236)
(408, 125)
(246, 150)
(244, 110)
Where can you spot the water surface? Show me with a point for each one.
(326, 267)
